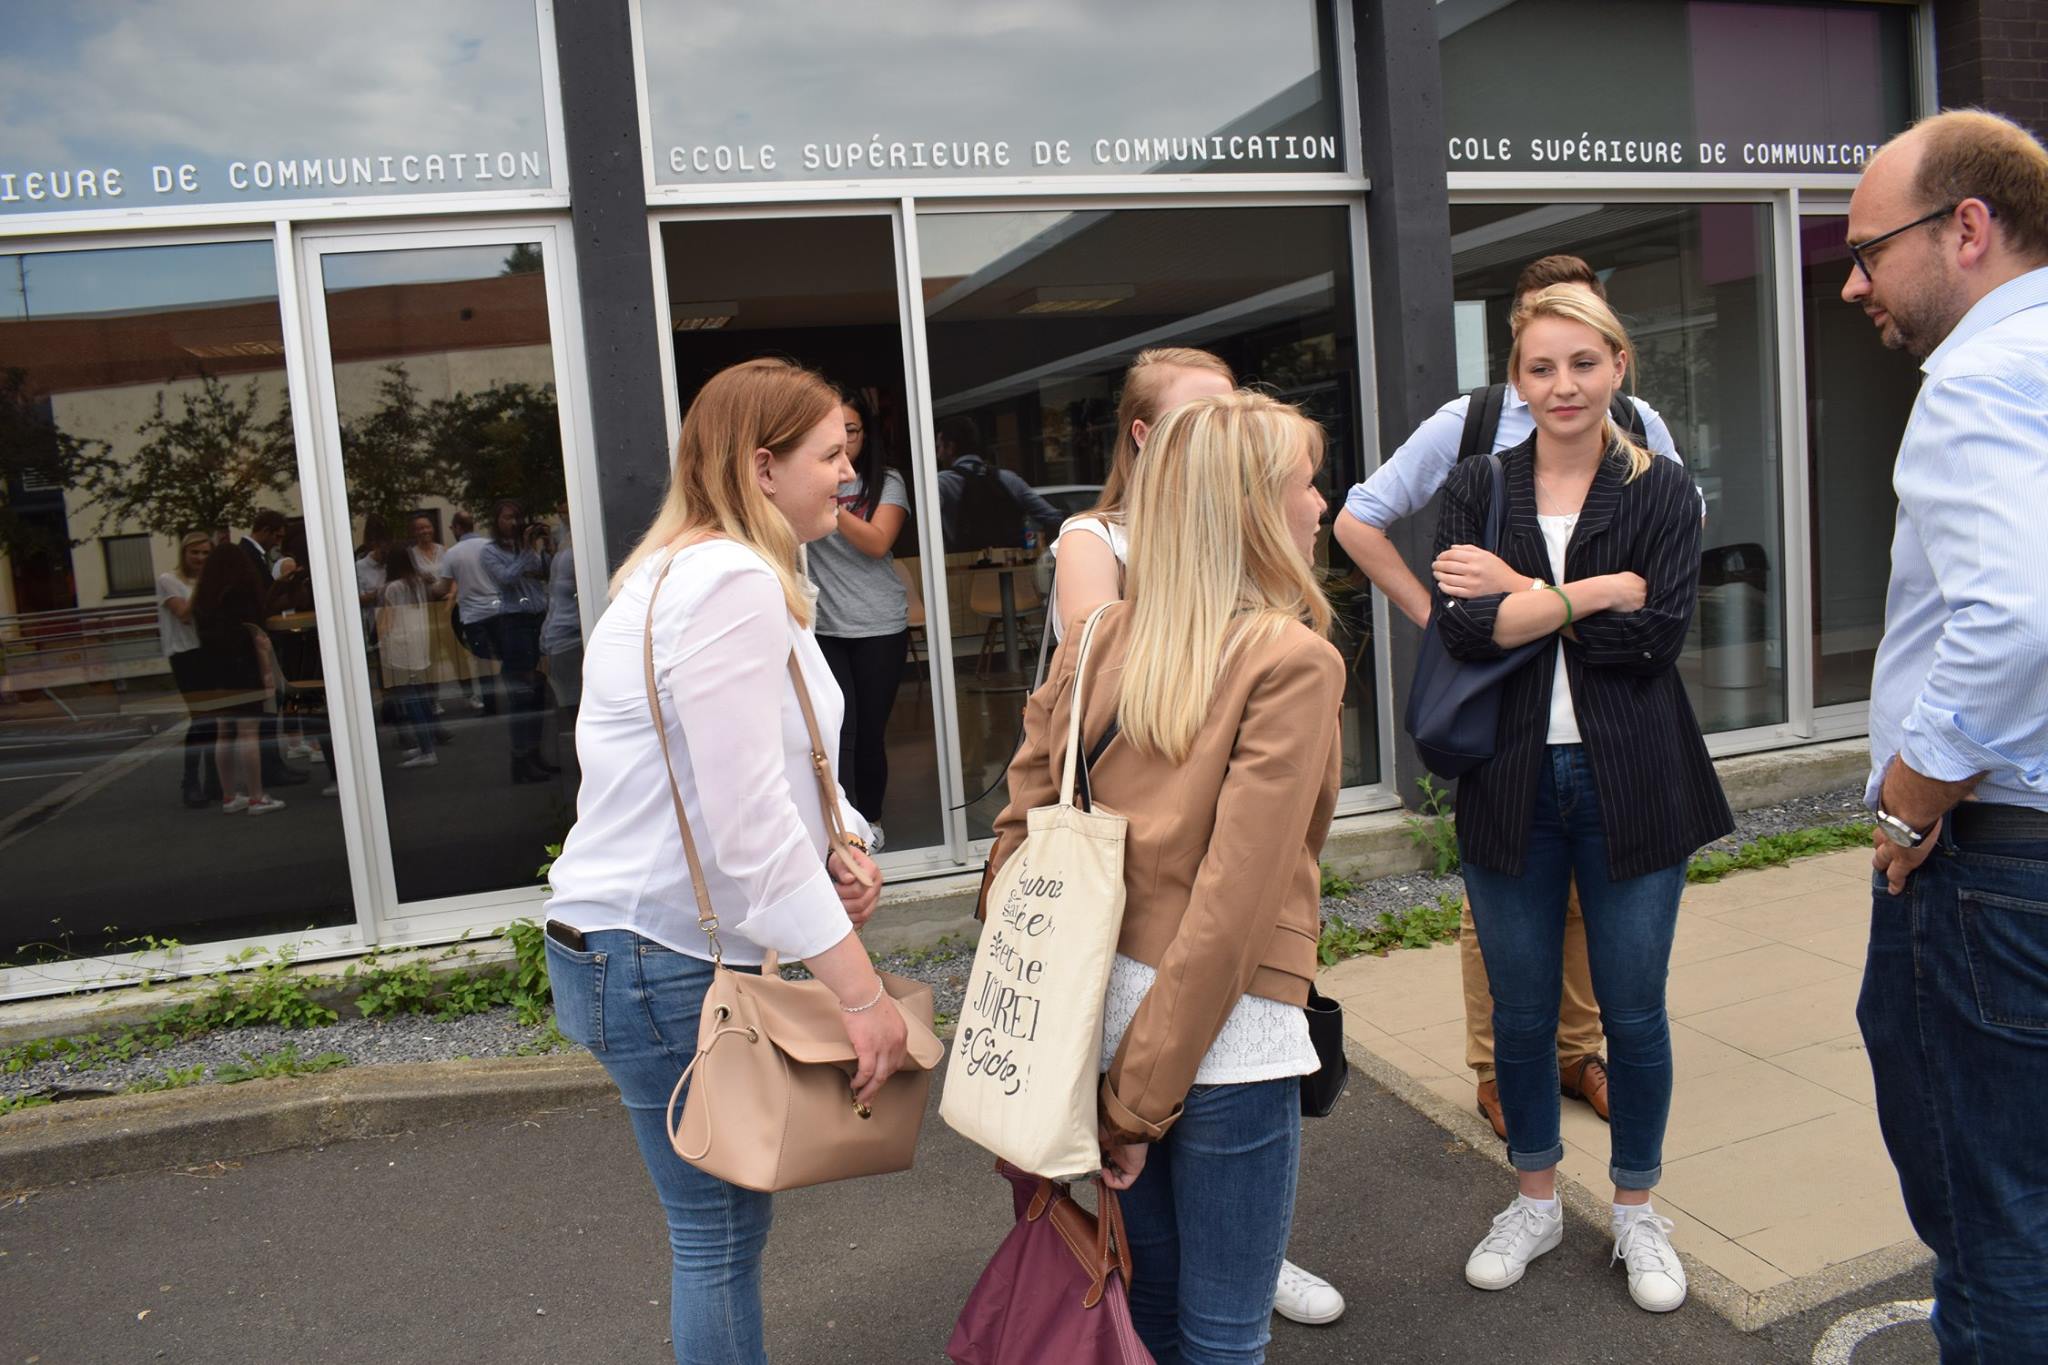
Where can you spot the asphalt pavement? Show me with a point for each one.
(538, 1240)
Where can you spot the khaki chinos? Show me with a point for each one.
(1578, 1013)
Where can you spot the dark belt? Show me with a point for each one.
(1996, 822)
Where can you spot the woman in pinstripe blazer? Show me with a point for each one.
(1598, 772)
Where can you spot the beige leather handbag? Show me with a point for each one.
(772, 1107)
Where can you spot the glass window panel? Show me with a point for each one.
(1858, 396)
(451, 447)
(128, 104)
(130, 564)
(920, 88)
(1693, 285)
(823, 291)
(143, 397)
(1033, 318)
(1732, 87)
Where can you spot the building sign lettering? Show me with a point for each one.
(876, 156)
(90, 186)
(1587, 152)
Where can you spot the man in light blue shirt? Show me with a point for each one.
(1402, 487)
(1949, 234)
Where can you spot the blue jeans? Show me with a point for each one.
(1629, 925)
(1208, 1220)
(1954, 1012)
(634, 1004)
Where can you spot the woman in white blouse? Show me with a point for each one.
(757, 471)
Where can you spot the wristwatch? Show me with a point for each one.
(1537, 585)
(1897, 830)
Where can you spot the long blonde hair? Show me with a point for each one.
(1570, 303)
(1213, 568)
(766, 404)
(1145, 384)
(185, 544)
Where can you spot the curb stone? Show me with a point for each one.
(1745, 1309)
(122, 1134)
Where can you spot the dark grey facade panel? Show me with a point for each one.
(614, 266)
(1408, 248)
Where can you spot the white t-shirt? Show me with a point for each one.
(1110, 533)
(722, 639)
(402, 627)
(174, 635)
(1564, 720)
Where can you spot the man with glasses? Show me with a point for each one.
(1949, 234)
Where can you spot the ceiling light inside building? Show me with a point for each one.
(1073, 298)
(707, 316)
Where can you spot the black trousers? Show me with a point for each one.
(869, 669)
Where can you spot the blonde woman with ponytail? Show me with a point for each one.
(1215, 668)
(1599, 775)
(1092, 548)
(757, 472)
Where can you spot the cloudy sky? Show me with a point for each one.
(788, 72)
(129, 83)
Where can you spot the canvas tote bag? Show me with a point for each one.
(773, 1107)
(1027, 1057)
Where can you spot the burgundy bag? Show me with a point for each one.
(1051, 1292)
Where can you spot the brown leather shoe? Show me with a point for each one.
(1585, 1079)
(1489, 1106)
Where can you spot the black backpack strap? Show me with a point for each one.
(1475, 419)
(1482, 420)
(1627, 417)
(1084, 797)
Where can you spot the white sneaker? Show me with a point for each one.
(1305, 1298)
(265, 806)
(331, 789)
(298, 750)
(234, 807)
(420, 760)
(1520, 1234)
(1656, 1281)
(875, 844)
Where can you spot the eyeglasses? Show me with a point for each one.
(1858, 250)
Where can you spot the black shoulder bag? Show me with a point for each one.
(1454, 705)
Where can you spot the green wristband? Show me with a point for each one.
(1552, 587)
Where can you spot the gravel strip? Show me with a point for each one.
(945, 967)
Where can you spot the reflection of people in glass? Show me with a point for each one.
(983, 506)
(240, 675)
(405, 647)
(1227, 770)
(1092, 547)
(760, 454)
(266, 534)
(427, 552)
(515, 562)
(179, 637)
(475, 602)
(863, 611)
(561, 631)
(295, 640)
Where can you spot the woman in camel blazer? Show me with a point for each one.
(1226, 765)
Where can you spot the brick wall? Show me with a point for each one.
(1994, 54)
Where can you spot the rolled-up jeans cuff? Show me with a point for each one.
(1635, 1180)
(1536, 1161)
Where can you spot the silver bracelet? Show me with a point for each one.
(881, 989)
